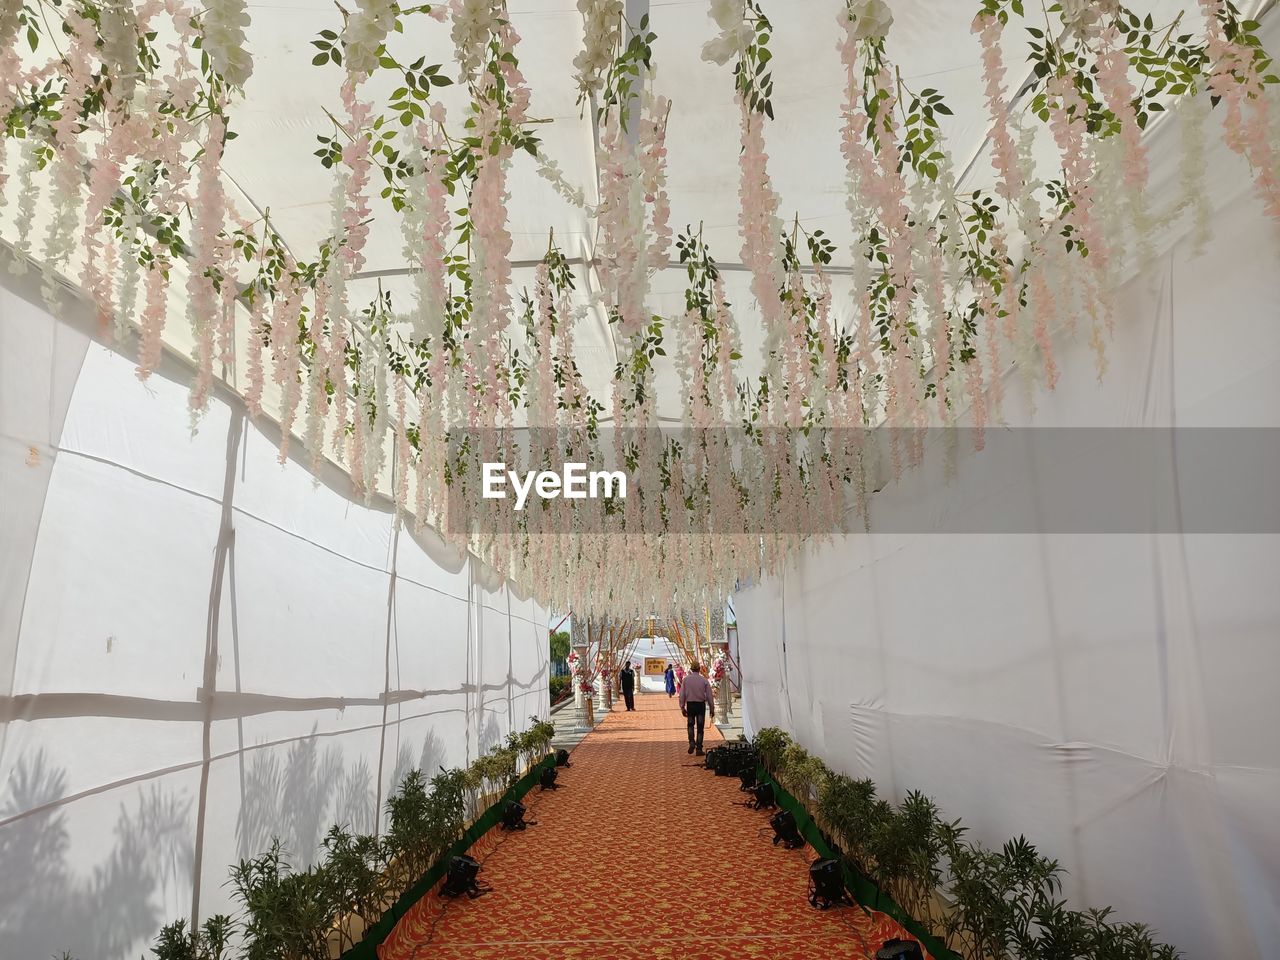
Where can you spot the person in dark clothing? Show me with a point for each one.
(628, 679)
(669, 675)
(697, 700)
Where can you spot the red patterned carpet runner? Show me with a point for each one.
(640, 854)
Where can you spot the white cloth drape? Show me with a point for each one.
(1110, 696)
(201, 649)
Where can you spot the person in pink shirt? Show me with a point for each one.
(697, 700)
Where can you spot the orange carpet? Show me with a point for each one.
(640, 854)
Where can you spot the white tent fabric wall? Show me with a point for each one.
(1109, 696)
(201, 649)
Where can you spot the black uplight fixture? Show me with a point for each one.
(896, 949)
(513, 817)
(461, 878)
(764, 798)
(826, 884)
(785, 831)
(547, 780)
(712, 760)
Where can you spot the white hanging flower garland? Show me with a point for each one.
(222, 37)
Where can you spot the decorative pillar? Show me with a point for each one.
(721, 682)
(605, 684)
(720, 651)
(578, 637)
(586, 705)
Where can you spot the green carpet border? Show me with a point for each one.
(861, 887)
(367, 948)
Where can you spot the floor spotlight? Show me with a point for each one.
(461, 878)
(513, 817)
(896, 949)
(785, 831)
(826, 884)
(562, 758)
(547, 781)
(764, 798)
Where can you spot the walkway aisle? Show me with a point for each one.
(640, 854)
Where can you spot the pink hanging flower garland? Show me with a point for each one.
(253, 354)
(652, 148)
(403, 462)
(1067, 112)
(895, 215)
(1004, 153)
(317, 407)
(436, 227)
(203, 280)
(1235, 78)
(359, 164)
(155, 307)
(1118, 91)
(1010, 184)
(285, 334)
(69, 155)
(860, 170)
(760, 226)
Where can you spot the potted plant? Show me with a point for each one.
(176, 942)
(770, 743)
(287, 913)
(356, 868)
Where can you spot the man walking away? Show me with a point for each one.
(628, 678)
(696, 701)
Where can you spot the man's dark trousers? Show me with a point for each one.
(630, 697)
(697, 713)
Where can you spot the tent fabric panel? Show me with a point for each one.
(1103, 694)
(206, 649)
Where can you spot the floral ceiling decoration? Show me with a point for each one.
(117, 114)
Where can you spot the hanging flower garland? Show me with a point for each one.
(949, 286)
(223, 39)
(601, 31)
